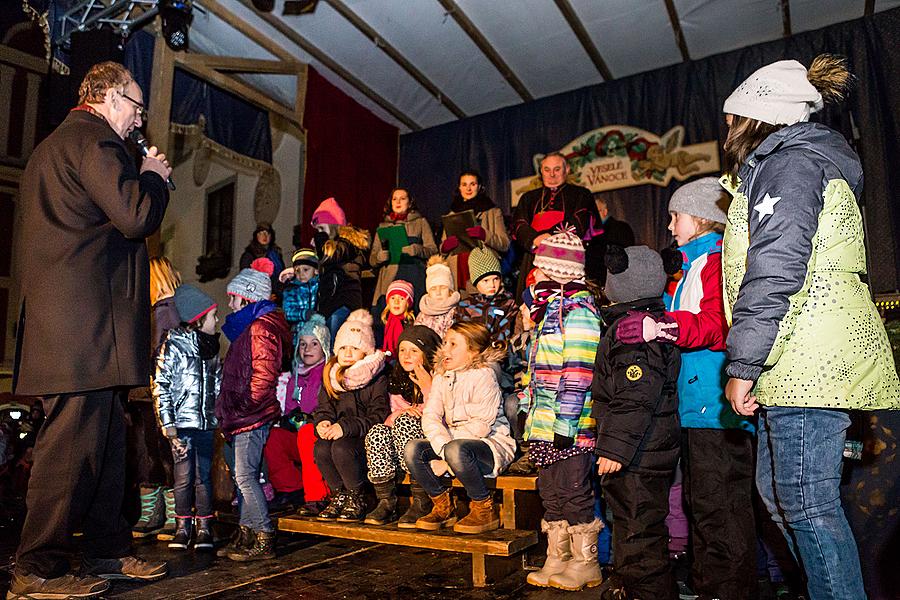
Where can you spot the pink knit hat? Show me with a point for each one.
(561, 256)
(402, 288)
(329, 212)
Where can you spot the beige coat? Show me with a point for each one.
(412, 267)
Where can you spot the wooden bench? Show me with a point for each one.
(493, 553)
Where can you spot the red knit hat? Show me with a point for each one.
(403, 288)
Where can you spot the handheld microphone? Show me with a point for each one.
(138, 138)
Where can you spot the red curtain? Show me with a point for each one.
(351, 155)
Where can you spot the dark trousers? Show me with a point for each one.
(193, 486)
(342, 462)
(149, 455)
(718, 490)
(566, 490)
(639, 505)
(77, 483)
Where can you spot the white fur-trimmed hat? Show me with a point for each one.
(778, 94)
(357, 332)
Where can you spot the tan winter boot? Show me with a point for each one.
(482, 517)
(583, 570)
(559, 552)
(443, 513)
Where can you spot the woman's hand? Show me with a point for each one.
(738, 393)
(606, 466)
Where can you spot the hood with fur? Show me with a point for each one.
(491, 357)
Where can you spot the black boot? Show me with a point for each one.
(204, 539)
(335, 506)
(242, 539)
(386, 510)
(354, 508)
(419, 506)
(183, 529)
(262, 549)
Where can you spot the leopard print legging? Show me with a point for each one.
(384, 446)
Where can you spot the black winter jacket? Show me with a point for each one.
(356, 411)
(635, 397)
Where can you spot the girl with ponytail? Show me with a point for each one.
(806, 343)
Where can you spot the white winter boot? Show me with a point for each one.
(558, 552)
(583, 570)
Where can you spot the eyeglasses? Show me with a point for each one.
(142, 112)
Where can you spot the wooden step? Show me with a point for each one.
(500, 542)
(503, 482)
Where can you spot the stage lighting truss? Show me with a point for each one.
(122, 16)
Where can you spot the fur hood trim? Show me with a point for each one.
(356, 236)
(492, 357)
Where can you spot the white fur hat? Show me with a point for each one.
(777, 94)
(357, 332)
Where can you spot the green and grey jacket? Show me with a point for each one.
(803, 326)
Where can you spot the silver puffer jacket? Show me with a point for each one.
(185, 386)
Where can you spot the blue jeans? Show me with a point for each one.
(193, 486)
(470, 461)
(248, 454)
(798, 474)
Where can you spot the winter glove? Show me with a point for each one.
(449, 245)
(638, 327)
(561, 442)
(384, 256)
(476, 233)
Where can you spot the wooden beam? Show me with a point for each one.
(475, 34)
(676, 29)
(244, 65)
(333, 66)
(870, 8)
(395, 55)
(216, 8)
(240, 88)
(160, 109)
(786, 17)
(586, 42)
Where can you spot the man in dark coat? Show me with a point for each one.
(84, 332)
(609, 231)
(540, 211)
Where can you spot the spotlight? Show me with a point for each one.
(299, 7)
(264, 5)
(176, 21)
(15, 415)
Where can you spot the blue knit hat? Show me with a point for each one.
(317, 328)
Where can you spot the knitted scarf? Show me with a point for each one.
(237, 322)
(433, 308)
(359, 374)
(392, 330)
(546, 292)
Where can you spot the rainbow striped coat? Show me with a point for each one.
(560, 371)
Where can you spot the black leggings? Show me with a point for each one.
(342, 462)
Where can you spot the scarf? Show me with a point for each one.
(237, 322)
(359, 374)
(435, 309)
(208, 344)
(478, 204)
(398, 216)
(546, 292)
(392, 330)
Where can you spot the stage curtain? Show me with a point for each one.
(351, 155)
(501, 144)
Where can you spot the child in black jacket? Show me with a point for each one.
(636, 408)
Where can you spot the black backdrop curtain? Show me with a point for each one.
(500, 145)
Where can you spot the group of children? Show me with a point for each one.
(450, 390)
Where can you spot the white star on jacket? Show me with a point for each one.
(766, 206)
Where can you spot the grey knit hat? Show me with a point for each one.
(317, 328)
(251, 285)
(191, 303)
(703, 198)
(482, 262)
(634, 273)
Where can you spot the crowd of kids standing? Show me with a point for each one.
(691, 381)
